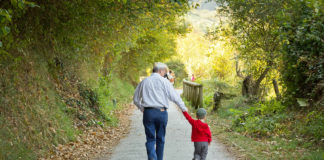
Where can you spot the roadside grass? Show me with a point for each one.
(112, 96)
(32, 118)
(254, 147)
(35, 128)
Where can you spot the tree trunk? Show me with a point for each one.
(247, 86)
(217, 100)
(257, 83)
(238, 70)
(275, 86)
(250, 87)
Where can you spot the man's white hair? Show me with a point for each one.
(159, 66)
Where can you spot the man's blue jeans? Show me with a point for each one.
(155, 122)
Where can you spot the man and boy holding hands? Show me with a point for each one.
(152, 97)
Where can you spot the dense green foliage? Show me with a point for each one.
(303, 58)
(66, 61)
(272, 37)
(252, 30)
(262, 119)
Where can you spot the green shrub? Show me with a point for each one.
(271, 107)
(261, 119)
(302, 34)
(109, 91)
(265, 126)
(208, 100)
(312, 125)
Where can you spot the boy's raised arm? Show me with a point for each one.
(188, 117)
(209, 135)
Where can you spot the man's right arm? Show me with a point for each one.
(174, 96)
(138, 96)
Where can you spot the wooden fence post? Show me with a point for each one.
(201, 96)
(193, 92)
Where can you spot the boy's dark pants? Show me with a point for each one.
(155, 122)
(201, 150)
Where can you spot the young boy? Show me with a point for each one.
(200, 135)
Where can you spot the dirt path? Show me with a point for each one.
(177, 147)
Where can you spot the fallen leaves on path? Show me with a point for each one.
(95, 141)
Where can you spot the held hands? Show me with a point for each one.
(185, 109)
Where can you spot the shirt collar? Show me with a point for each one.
(155, 74)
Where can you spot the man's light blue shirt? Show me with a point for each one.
(156, 91)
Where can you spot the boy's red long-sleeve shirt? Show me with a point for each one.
(200, 130)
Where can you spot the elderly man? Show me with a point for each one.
(152, 97)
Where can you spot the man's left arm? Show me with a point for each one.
(138, 97)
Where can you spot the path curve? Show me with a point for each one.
(178, 145)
